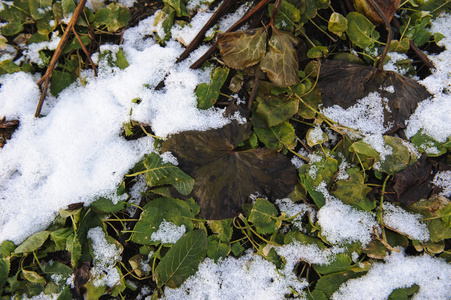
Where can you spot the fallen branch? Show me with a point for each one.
(88, 55)
(48, 74)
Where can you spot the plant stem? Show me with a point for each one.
(389, 35)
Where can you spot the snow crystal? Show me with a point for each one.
(248, 277)
(341, 223)
(168, 233)
(168, 157)
(432, 275)
(404, 222)
(443, 180)
(105, 257)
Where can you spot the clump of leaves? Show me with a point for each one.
(225, 176)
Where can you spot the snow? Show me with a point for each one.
(443, 180)
(433, 276)
(168, 233)
(404, 222)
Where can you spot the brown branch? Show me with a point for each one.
(389, 35)
(85, 51)
(275, 10)
(235, 26)
(48, 74)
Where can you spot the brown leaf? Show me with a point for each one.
(280, 62)
(81, 276)
(388, 7)
(343, 83)
(225, 177)
(242, 49)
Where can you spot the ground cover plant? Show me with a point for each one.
(224, 150)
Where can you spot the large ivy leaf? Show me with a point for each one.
(172, 210)
(361, 31)
(242, 49)
(280, 62)
(343, 83)
(161, 173)
(225, 177)
(182, 260)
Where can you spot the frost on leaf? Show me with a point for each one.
(225, 177)
(343, 83)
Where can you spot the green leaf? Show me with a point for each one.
(341, 263)
(178, 6)
(113, 17)
(32, 276)
(223, 228)
(8, 67)
(303, 238)
(276, 109)
(403, 293)
(445, 215)
(60, 80)
(237, 249)
(6, 248)
(242, 49)
(107, 206)
(182, 260)
(317, 52)
(172, 210)
(216, 249)
(161, 173)
(361, 31)
(425, 143)
(57, 268)
(114, 59)
(287, 15)
(337, 24)
(400, 158)
(33, 243)
(276, 137)
(353, 190)
(328, 284)
(207, 94)
(74, 247)
(38, 8)
(74, 44)
(59, 237)
(68, 7)
(225, 176)
(280, 62)
(263, 216)
(12, 28)
(416, 28)
(4, 271)
(165, 18)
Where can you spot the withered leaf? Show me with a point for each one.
(280, 62)
(388, 7)
(242, 49)
(224, 177)
(343, 83)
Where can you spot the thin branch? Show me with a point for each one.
(85, 51)
(48, 74)
(389, 35)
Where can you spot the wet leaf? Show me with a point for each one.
(161, 173)
(278, 136)
(32, 276)
(33, 243)
(353, 190)
(343, 83)
(341, 263)
(287, 15)
(8, 67)
(182, 260)
(361, 31)
(280, 62)
(263, 216)
(242, 49)
(172, 210)
(276, 109)
(208, 93)
(400, 158)
(224, 177)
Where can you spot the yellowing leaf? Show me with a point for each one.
(280, 62)
(242, 49)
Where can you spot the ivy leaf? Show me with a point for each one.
(60, 80)
(207, 94)
(328, 284)
(8, 67)
(343, 83)
(280, 62)
(361, 31)
(242, 49)
(216, 248)
(33, 243)
(263, 216)
(182, 260)
(276, 109)
(161, 173)
(400, 158)
(225, 177)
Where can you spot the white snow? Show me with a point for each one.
(443, 180)
(432, 275)
(168, 233)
